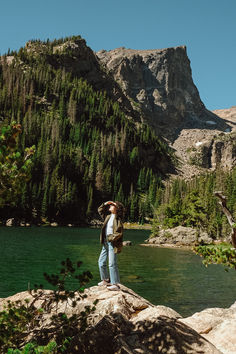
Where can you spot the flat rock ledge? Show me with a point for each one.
(124, 322)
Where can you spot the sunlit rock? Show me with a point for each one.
(217, 325)
(123, 322)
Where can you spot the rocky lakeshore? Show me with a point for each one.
(124, 322)
(178, 237)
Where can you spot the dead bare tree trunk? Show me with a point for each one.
(227, 213)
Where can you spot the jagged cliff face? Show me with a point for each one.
(159, 84)
(160, 88)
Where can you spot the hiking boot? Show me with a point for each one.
(113, 287)
(103, 283)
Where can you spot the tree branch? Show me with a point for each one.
(228, 215)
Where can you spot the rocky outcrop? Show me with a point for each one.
(125, 301)
(228, 114)
(124, 322)
(214, 153)
(200, 150)
(179, 236)
(160, 87)
(218, 325)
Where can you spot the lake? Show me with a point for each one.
(170, 277)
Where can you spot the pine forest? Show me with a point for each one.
(88, 150)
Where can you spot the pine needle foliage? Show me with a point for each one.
(15, 167)
(193, 204)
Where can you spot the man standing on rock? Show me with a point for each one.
(111, 237)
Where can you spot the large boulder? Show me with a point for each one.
(217, 325)
(123, 322)
(125, 301)
(10, 222)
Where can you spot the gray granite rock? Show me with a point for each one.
(180, 236)
(218, 325)
(159, 84)
(123, 322)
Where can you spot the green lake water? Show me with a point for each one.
(170, 277)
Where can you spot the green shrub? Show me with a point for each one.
(22, 320)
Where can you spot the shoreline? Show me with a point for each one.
(136, 226)
(167, 245)
(97, 224)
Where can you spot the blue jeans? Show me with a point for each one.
(108, 251)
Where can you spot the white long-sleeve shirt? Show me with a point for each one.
(109, 228)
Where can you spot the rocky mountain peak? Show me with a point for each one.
(160, 86)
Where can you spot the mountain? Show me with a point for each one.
(160, 87)
(106, 126)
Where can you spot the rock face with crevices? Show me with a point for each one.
(159, 84)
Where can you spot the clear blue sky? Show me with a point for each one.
(206, 27)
